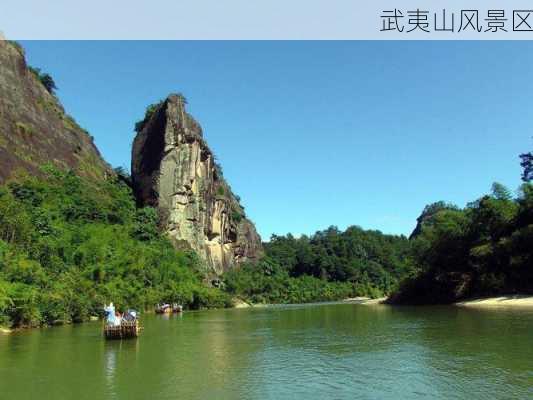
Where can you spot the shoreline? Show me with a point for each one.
(514, 301)
(365, 300)
(509, 301)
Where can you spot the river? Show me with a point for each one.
(321, 351)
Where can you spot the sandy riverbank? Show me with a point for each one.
(365, 300)
(515, 301)
(239, 303)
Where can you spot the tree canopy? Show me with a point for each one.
(483, 249)
(68, 244)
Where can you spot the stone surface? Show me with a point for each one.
(174, 170)
(34, 128)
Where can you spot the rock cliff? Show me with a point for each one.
(174, 170)
(34, 128)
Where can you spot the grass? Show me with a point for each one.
(23, 128)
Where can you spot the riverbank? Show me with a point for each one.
(365, 300)
(515, 301)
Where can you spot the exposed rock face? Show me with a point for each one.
(34, 128)
(174, 170)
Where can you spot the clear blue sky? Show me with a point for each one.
(313, 134)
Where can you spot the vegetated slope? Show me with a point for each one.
(330, 265)
(484, 249)
(34, 128)
(68, 244)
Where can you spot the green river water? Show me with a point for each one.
(321, 351)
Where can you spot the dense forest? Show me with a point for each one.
(484, 249)
(330, 265)
(69, 244)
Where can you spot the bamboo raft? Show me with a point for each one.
(168, 309)
(126, 329)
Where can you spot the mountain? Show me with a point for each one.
(174, 170)
(34, 128)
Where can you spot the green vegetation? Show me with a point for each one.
(267, 282)
(150, 110)
(527, 164)
(67, 245)
(483, 249)
(70, 244)
(182, 98)
(46, 79)
(218, 169)
(355, 255)
(330, 265)
(236, 216)
(428, 213)
(17, 46)
(24, 129)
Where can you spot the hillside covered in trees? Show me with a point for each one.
(68, 244)
(73, 236)
(481, 250)
(329, 265)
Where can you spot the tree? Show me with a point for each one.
(500, 192)
(428, 213)
(527, 165)
(68, 244)
(149, 112)
(48, 83)
(482, 250)
(46, 79)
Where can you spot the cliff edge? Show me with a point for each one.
(34, 128)
(174, 170)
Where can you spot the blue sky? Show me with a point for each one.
(313, 134)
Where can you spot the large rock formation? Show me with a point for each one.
(174, 170)
(34, 128)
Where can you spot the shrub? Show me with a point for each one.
(149, 112)
(46, 79)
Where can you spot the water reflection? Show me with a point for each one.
(118, 354)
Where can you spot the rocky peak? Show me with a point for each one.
(34, 128)
(174, 170)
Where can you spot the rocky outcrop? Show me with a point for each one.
(174, 170)
(34, 128)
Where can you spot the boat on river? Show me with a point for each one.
(125, 330)
(120, 326)
(168, 308)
